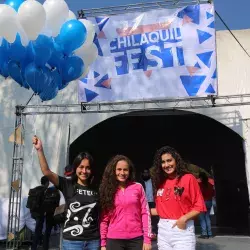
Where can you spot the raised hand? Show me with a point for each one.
(37, 143)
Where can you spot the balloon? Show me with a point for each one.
(15, 4)
(23, 36)
(17, 51)
(4, 52)
(37, 77)
(8, 23)
(4, 69)
(42, 49)
(71, 16)
(72, 68)
(32, 17)
(88, 54)
(56, 56)
(57, 12)
(4, 58)
(72, 35)
(15, 72)
(90, 31)
(50, 89)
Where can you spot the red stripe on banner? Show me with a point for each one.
(148, 73)
(101, 35)
(192, 70)
(186, 19)
(107, 83)
(142, 29)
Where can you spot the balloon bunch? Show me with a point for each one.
(44, 47)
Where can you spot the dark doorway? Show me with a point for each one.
(200, 140)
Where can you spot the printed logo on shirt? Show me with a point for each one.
(160, 192)
(71, 215)
(86, 192)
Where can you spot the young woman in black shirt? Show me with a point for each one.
(81, 227)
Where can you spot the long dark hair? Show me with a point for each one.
(204, 179)
(77, 161)
(109, 182)
(157, 173)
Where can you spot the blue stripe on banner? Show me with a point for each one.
(180, 56)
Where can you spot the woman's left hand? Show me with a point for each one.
(181, 223)
(146, 246)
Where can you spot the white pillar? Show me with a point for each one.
(246, 137)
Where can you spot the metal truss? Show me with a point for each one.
(190, 103)
(145, 6)
(13, 228)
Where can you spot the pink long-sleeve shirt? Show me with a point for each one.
(130, 217)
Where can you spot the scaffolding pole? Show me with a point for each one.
(13, 227)
(189, 103)
(137, 7)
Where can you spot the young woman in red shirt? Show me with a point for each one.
(178, 201)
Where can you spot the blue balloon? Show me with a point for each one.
(37, 77)
(24, 64)
(4, 52)
(4, 69)
(63, 85)
(17, 51)
(41, 49)
(72, 35)
(50, 89)
(72, 68)
(15, 4)
(14, 69)
(57, 56)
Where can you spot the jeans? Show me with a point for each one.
(81, 245)
(174, 238)
(39, 228)
(205, 221)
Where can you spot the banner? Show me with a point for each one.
(163, 53)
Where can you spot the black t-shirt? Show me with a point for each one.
(82, 220)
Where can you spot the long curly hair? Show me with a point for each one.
(158, 175)
(109, 184)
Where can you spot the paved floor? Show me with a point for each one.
(221, 243)
(216, 243)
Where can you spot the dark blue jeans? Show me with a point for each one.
(81, 245)
(205, 220)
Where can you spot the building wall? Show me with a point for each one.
(233, 73)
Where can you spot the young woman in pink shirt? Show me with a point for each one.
(125, 221)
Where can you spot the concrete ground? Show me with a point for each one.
(221, 243)
(216, 243)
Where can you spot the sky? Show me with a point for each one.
(234, 13)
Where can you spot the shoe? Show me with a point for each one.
(203, 237)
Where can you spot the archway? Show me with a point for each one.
(199, 139)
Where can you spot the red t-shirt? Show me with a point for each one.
(177, 198)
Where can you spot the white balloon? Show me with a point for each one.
(8, 23)
(57, 12)
(71, 16)
(90, 31)
(23, 35)
(32, 17)
(87, 53)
